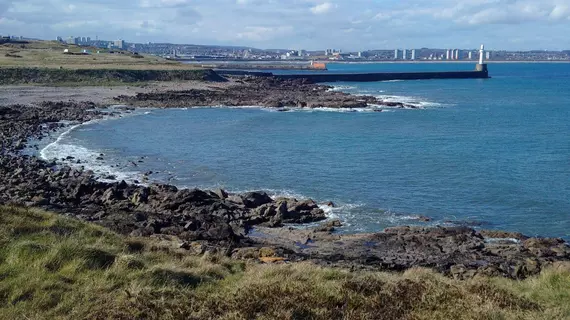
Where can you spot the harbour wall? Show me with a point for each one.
(372, 77)
(481, 72)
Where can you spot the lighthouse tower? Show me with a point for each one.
(482, 66)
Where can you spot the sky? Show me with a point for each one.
(350, 25)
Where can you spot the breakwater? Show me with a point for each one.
(387, 76)
(481, 72)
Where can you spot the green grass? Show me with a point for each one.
(53, 267)
(49, 54)
(88, 77)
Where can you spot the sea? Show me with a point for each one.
(490, 154)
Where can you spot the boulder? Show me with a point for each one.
(253, 200)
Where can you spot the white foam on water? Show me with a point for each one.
(419, 103)
(341, 110)
(340, 210)
(393, 81)
(372, 108)
(341, 88)
(88, 160)
(414, 101)
(60, 149)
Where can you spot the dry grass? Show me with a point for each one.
(58, 268)
(49, 54)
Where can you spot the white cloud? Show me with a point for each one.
(309, 24)
(257, 33)
(322, 8)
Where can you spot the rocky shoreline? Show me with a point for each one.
(245, 226)
(260, 91)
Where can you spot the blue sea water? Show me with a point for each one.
(492, 153)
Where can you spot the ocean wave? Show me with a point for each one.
(339, 211)
(60, 149)
(88, 159)
(342, 88)
(341, 110)
(414, 101)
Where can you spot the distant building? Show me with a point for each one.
(89, 39)
(302, 53)
(396, 54)
(120, 44)
(456, 54)
(448, 55)
(488, 55)
(83, 40)
(414, 54)
(404, 54)
(470, 55)
(60, 39)
(71, 40)
(329, 52)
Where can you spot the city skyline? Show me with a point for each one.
(310, 24)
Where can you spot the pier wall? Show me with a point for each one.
(372, 77)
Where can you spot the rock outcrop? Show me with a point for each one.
(217, 219)
(190, 214)
(459, 252)
(260, 91)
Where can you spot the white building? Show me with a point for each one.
(396, 54)
(119, 44)
(448, 55)
(404, 54)
(414, 54)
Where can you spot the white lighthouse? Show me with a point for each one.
(482, 54)
(482, 66)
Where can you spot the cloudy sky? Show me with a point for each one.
(308, 24)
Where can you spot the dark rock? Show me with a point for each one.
(256, 199)
(502, 235)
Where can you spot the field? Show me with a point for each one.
(50, 54)
(53, 267)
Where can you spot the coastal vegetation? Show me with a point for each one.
(86, 77)
(50, 54)
(57, 267)
(59, 64)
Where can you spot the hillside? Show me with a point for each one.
(56, 267)
(50, 54)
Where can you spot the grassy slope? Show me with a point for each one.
(49, 54)
(58, 268)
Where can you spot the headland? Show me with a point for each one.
(250, 227)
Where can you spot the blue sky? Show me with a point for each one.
(307, 24)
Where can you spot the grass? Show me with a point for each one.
(53, 267)
(49, 54)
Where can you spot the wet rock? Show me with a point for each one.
(329, 226)
(255, 199)
(497, 234)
